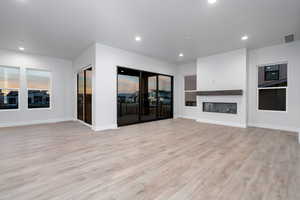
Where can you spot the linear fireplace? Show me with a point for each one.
(217, 107)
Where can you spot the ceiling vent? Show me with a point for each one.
(289, 38)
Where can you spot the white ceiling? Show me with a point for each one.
(64, 28)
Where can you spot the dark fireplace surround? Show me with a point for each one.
(218, 107)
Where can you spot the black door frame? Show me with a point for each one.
(84, 69)
(140, 99)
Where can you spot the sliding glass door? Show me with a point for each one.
(88, 96)
(165, 97)
(128, 96)
(148, 96)
(84, 95)
(80, 95)
(143, 96)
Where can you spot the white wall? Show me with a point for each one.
(226, 71)
(86, 59)
(105, 91)
(61, 94)
(289, 120)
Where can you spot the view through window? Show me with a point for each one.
(9, 87)
(272, 87)
(38, 86)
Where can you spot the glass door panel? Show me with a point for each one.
(80, 95)
(84, 95)
(165, 97)
(148, 96)
(128, 96)
(143, 96)
(88, 96)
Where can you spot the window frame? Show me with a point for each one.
(268, 88)
(189, 91)
(18, 89)
(49, 90)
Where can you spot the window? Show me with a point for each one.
(190, 87)
(9, 88)
(38, 86)
(272, 87)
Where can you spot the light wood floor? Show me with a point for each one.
(166, 160)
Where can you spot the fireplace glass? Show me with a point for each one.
(228, 108)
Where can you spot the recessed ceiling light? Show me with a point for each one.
(212, 1)
(138, 38)
(21, 48)
(181, 55)
(245, 37)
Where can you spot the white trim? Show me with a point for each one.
(270, 88)
(107, 127)
(34, 122)
(274, 63)
(84, 68)
(84, 123)
(274, 126)
(214, 122)
(11, 110)
(222, 123)
(187, 117)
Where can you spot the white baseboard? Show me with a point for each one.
(34, 122)
(187, 117)
(176, 116)
(82, 122)
(274, 126)
(215, 122)
(222, 123)
(107, 127)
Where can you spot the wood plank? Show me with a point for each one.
(165, 160)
